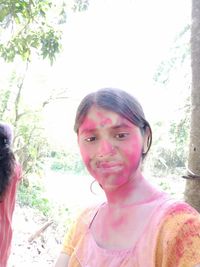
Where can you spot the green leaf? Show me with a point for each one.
(3, 14)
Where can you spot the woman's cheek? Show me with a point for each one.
(84, 155)
(133, 152)
(89, 163)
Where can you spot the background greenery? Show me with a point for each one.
(34, 29)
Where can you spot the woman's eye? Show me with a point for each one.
(121, 135)
(90, 139)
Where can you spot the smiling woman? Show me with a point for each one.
(138, 225)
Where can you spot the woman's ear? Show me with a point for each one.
(146, 141)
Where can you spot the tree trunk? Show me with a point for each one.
(192, 189)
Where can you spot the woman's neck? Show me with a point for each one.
(136, 191)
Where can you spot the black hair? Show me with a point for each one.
(7, 159)
(118, 101)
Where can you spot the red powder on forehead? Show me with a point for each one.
(92, 120)
(87, 125)
(105, 122)
(103, 119)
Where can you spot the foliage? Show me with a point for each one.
(33, 25)
(170, 147)
(80, 5)
(30, 143)
(178, 55)
(27, 28)
(32, 196)
(67, 161)
(5, 95)
(179, 136)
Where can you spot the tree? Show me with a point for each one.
(33, 25)
(31, 145)
(27, 28)
(192, 189)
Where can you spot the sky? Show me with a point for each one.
(120, 42)
(117, 43)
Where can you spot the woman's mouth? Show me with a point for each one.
(107, 167)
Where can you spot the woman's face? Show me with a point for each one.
(111, 147)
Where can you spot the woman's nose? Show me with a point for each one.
(105, 148)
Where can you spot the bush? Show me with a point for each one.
(32, 196)
(67, 162)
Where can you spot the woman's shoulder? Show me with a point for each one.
(169, 208)
(175, 213)
(179, 235)
(180, 209)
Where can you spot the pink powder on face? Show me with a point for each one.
(125, 164)
(91, 123)
(84, 130)
(103, 119)
(88, 125)
(109, 158)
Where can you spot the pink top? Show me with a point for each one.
(162, 243)
(6, 212)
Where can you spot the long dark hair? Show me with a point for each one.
(118, 101)
(7, 159)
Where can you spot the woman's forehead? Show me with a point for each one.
(103, 116)
(98, 117)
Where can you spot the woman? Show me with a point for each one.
(10, 174)
(138, 226)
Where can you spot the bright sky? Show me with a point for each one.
(119, 43)
(116, 43)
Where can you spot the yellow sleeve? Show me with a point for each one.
(76, 231)
(179, 240)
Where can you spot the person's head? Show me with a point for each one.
(120, 102)
(112, 120)
(7, 158)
